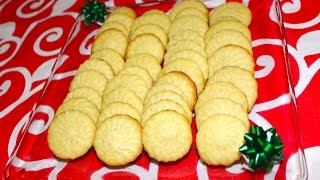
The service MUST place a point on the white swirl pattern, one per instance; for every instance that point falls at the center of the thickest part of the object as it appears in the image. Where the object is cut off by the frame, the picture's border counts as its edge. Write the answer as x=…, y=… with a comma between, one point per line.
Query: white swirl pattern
x=50, y=35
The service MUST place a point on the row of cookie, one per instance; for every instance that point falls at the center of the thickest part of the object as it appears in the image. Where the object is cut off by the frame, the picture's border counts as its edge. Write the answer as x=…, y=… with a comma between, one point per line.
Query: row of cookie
x=167, y=115
x=231, y=90
x=118, y=139
x=186, y=47
x=71, y=133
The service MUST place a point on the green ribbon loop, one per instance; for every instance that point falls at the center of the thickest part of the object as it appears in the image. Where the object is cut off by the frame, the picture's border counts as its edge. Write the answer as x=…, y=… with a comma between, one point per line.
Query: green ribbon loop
x=263, y=148
x=94, y=12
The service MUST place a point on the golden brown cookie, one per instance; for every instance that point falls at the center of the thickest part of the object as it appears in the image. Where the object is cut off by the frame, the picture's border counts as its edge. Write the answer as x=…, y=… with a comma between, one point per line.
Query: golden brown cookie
x=151, y=29
x=221, y=106
x=187, y=4
x=240, y=78
x=167, y=136
x=86, y=92
x=141, y=72
x=98, y=65
x=71, y=134
x=182, y=81
x=118, y=140
x=219, y=139
x=110, y=56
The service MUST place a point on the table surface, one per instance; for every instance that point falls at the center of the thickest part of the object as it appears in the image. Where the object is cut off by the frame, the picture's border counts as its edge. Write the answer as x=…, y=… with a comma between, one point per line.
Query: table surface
x=31, y=39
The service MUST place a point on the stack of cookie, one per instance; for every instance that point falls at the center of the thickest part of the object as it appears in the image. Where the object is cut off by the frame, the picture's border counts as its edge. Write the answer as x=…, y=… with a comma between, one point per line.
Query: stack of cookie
x=72, y=131
x=231, y=90
x=168, y=107
x=118, y=137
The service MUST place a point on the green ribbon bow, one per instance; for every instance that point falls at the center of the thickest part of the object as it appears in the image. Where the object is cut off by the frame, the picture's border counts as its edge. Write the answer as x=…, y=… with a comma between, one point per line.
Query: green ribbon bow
x=264, y=148
x=94, y=12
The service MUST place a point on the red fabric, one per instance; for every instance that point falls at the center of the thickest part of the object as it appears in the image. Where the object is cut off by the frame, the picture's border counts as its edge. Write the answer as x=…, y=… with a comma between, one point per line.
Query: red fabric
x=33, y=34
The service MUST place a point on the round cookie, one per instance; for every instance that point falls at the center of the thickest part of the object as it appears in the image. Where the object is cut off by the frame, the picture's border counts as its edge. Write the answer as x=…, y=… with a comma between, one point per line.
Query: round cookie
x=80, y=104
x=188, y=67
x=187, y=4
x=219, y=140
x=233, y=9
x=169, y=95
x=222, y=18
x=191, y=55
x=167, y=136
x=98, y=65
x=182, y=81
x=146, y=61
x=86, y=92
x=221, y=106
x=222, y=90
x=227, y=37
x=186, y=35
x=146, y=44
x=231, y=55
x=161, y=106
x=240, y=78
x=151, y=29
x=132, y=82
x=194, y=12
x=188, y=22
x=113, y=39
x=125, y=95
x=124, y=10
x=91, y=79
x=71, y=134
x=136, y=70
x=227, y=24
x=122, y=18
x=161, y=20
x=118, y=108
x=183, y=45
x=118, y=140
x=110, y=56
x=113, y=25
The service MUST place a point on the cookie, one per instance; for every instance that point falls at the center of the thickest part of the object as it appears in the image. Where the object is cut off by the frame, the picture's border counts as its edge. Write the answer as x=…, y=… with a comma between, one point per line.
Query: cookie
x=233, y=9
x=191, y=55
x=240, y=78
x=146, y=44
x=98, y=65
x=161, y=106
x=188, y=22
x=182, y=81
x=110, y=56
x=124, y=10
x=221, y=106
x=71, y=134
x=169, y=95
x=118, y=140
x=122, y=18
x=194, y=12
x=114, y=25
x=160, y=87
x=118, y=108
x=136, y=70
x=222, y=18
x=91, y=79
x=125, y=95
x=80, y=104
x=187, y=4
x=186, y=35
x=227, y=37
x=112, y=39
x=146, y=61
x=161, y=20
x=188, y=67
x=219, y=139
x=133, y=82
x=166, y=136
x=183, y=45
x=153, y=11
x=231, y=55
x=86, y=92
x=225, y=25
x=221, y=89
x=151, y=29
